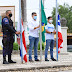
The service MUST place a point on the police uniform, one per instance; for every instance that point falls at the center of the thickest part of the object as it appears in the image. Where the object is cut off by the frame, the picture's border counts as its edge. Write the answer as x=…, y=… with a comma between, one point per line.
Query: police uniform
x=8, y=40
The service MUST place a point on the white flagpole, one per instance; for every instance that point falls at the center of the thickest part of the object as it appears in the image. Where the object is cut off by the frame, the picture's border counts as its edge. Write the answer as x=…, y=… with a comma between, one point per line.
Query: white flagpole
x=43, y=2
x=57, y=29
x=20, y=30
x=40, y=30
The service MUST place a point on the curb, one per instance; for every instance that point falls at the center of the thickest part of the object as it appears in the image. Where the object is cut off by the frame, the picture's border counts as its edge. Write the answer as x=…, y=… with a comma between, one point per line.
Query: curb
x=35, y=68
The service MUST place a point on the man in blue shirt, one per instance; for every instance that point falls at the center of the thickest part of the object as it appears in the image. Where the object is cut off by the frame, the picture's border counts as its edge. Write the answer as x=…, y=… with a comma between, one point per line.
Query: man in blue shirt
x=50, y=31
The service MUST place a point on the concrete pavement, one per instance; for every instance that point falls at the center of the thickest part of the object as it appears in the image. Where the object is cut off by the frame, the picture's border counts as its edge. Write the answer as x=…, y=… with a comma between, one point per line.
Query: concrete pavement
x=64, y=63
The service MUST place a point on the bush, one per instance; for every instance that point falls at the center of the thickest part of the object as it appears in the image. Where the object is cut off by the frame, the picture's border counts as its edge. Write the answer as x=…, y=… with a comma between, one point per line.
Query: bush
x=15, y=46
x=43, y=46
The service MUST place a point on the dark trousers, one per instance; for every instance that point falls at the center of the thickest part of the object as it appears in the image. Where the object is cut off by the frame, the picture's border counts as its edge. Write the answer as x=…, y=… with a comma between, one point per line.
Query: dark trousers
x=7, y=45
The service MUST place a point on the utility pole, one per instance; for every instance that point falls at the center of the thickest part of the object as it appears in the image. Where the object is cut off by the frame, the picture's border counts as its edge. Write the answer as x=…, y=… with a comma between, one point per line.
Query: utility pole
x=24, y=10
x=24, y=17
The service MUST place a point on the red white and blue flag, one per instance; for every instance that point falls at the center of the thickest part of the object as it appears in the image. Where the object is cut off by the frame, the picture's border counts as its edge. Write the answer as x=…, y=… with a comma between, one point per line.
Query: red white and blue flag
x=23, y=53
x=60, y=38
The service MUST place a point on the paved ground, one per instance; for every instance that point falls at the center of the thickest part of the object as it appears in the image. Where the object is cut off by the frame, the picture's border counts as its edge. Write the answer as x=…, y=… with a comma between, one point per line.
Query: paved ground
x=65, y=61
x=66, y=71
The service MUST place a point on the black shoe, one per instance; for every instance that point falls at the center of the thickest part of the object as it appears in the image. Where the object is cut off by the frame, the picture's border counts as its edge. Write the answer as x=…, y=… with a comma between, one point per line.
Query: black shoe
x=5, y=62
x=31, y=60
x=53, y=59
x=37, y=60
x=11, y=61
x=46, y=59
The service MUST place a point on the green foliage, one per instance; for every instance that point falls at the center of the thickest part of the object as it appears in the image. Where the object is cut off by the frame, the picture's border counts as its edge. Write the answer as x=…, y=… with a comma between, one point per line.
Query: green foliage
x=43, y=46
x=15, y=46
x=0, y=26
x=66, y=12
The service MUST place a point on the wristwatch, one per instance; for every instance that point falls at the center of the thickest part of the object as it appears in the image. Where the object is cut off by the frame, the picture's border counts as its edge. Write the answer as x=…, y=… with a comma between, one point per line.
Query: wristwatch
x=51, y=32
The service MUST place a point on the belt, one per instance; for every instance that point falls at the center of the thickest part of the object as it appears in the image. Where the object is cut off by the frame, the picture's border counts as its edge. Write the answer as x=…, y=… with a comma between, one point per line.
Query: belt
x=4, y=35
x=7, y=35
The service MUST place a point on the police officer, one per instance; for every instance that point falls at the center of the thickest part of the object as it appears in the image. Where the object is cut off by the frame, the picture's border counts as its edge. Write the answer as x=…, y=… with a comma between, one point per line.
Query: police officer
x=8, y=40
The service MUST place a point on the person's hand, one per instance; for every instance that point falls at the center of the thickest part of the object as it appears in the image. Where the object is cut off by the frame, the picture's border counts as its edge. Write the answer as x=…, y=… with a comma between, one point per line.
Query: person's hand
x=18, y=32
x=54, y=32
x=37, y=27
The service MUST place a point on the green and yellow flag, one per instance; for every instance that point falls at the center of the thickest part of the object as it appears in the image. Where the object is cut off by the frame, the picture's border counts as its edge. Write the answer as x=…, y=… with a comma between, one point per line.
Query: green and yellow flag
x=43, y=21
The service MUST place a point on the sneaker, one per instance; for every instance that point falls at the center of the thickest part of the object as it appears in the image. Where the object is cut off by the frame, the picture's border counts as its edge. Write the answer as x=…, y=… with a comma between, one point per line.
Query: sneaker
x=37, y=60
x=53, y=59
x=46, y=59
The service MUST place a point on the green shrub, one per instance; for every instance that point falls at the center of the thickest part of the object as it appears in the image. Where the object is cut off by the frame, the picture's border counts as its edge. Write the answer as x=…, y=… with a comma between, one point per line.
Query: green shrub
x=15, y=46
x=43, y=46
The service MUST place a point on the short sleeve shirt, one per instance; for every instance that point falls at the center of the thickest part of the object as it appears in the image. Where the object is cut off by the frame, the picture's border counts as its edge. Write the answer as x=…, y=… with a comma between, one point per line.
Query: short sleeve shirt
x=33, y=32
x=50, y=28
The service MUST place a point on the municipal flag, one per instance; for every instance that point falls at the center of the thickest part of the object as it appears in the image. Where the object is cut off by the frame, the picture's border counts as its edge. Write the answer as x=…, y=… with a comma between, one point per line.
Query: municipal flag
x=23, y=53
x=60, y=38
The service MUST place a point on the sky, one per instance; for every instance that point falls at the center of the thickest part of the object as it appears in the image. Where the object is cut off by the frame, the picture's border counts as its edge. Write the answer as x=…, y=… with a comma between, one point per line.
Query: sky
x=33, y=6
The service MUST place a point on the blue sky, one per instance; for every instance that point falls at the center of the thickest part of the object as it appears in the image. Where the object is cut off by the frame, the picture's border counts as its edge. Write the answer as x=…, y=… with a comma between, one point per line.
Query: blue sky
x=33, y=6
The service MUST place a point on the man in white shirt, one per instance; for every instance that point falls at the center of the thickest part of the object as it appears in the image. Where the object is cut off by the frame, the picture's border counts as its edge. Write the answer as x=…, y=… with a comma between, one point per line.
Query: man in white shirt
x=33, y=37
x=50, y=31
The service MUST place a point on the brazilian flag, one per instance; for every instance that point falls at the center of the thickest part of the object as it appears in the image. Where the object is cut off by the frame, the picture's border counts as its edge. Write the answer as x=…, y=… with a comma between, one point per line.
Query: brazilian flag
x=43, y=21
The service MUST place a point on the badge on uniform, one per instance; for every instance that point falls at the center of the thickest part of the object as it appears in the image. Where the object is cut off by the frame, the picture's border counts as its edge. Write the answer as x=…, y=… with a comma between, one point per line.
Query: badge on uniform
x=6, y=20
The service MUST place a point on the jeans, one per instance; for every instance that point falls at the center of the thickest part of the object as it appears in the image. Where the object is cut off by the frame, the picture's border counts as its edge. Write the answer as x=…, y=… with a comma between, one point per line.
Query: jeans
x=33, y=43
x=49, y=42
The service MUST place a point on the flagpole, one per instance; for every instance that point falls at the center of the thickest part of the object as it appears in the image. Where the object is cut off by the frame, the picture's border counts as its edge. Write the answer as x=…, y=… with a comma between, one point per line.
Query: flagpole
x=43, y=2
x=40, y=30
x=20, y=30
x=57, y=30
x=45, y=38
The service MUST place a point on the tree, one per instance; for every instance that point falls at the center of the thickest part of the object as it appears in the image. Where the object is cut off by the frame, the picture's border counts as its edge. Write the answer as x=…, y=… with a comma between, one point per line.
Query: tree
x=66, y=12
